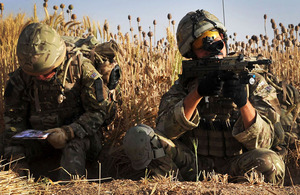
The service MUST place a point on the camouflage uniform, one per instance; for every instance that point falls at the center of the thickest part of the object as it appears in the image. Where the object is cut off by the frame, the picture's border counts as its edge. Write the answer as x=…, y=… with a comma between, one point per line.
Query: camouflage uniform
x=214, y=136
x=223, y=143
x=33, y=104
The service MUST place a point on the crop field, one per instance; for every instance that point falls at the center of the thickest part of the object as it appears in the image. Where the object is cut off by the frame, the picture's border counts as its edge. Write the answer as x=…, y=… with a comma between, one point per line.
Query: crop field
x=149, y=68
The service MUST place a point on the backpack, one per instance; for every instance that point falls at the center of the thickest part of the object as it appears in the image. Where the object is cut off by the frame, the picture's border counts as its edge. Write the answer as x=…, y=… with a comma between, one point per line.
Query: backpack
x=101, y=55
x=289, y=100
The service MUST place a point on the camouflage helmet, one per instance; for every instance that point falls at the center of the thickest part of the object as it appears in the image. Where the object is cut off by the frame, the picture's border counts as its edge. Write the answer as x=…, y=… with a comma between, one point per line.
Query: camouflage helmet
x=137, y=145
x=40, y=49
x=192, y=26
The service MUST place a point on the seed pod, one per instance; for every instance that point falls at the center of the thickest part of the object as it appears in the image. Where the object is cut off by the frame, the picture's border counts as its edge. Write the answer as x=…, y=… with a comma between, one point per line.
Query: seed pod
x=119, y=27
x=62, y=6
x=279, y=37
x=234, y=34
x=296, y=28
x=272, y=21
x=131, y=29
x=254, y=38
x=169, y=16
x=274, y=26
x=68, y=11
x=140, y=28
x=173, y=22
x=265, y=16
x=261, y=37
x=129, y=17
x=55, y=7
x=247, y=36
x=230, y=36
x=1, y=6
x=288, y=43
x=150, y=34
x=154, y=22
x=280, y=24
x=292, y=37
x=138, y=19
x=71, y=7
x=144, y=34
x=73, y=17
x=45, y=5
x=106, y=26
x=283, y=29
x=146, y=43
x=243, y=44
x=45, y=1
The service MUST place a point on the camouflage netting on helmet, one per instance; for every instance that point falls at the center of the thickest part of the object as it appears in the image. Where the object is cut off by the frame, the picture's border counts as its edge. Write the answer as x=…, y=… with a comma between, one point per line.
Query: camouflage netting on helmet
x=40, y=49
x=192, y=26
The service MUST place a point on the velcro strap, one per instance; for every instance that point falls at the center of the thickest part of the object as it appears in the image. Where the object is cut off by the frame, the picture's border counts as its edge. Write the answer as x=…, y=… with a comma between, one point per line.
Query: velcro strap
x=158, y=153
x=157, y=148
x=99, y=90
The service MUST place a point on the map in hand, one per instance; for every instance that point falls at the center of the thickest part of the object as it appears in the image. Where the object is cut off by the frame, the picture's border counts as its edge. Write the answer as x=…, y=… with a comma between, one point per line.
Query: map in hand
x=31, y=134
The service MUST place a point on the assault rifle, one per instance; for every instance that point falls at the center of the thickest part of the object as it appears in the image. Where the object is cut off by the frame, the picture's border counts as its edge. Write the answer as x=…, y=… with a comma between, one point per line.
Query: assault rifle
x=238, y=65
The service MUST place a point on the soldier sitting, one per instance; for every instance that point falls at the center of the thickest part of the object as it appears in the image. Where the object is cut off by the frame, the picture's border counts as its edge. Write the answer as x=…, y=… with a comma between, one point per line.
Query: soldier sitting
x=230, y=125
x=58, y=93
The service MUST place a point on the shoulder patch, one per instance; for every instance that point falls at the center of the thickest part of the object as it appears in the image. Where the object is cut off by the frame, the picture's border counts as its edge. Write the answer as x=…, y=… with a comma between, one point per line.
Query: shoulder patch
x=94, y=75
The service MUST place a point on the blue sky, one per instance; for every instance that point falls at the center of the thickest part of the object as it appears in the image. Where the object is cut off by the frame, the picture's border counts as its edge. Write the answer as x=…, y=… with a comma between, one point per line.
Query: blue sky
x=245, y=17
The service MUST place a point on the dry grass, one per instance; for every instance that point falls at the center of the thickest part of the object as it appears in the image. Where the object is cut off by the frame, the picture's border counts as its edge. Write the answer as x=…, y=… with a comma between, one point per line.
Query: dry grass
x=11, y=183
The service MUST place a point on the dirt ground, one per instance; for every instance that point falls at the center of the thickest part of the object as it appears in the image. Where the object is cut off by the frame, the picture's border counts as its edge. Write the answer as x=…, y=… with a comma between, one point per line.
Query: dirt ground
x=119, y=178
x=168, y=187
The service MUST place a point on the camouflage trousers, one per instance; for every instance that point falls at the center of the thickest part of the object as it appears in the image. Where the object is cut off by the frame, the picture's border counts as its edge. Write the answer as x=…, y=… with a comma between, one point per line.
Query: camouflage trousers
x=181, y=161
x=72, y=157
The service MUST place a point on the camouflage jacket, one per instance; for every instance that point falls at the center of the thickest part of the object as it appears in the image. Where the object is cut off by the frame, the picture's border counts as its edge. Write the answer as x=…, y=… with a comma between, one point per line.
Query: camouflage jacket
x=32, y=103
x=218, y=119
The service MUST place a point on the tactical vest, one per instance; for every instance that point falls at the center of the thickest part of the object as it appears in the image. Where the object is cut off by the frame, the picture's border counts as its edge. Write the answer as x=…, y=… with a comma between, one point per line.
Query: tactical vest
x=214, y=132
x=55, y=105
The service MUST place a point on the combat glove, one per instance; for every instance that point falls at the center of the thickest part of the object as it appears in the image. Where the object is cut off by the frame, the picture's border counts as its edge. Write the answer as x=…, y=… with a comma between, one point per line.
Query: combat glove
x=58, y=137
x=235, y=90
x=211, y=85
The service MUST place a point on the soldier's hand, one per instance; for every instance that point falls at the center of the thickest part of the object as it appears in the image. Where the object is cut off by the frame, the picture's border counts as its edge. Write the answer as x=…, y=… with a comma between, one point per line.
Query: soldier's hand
x=235, y=90
x=211, y=85
x=59, y=136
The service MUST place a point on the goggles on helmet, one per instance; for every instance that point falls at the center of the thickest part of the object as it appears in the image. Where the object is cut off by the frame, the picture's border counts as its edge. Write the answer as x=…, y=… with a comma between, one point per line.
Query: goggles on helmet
x=207, y=36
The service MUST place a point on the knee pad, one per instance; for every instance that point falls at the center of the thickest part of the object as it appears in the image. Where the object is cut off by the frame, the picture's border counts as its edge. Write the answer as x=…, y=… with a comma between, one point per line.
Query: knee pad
x=271, y=166
x=141, y=145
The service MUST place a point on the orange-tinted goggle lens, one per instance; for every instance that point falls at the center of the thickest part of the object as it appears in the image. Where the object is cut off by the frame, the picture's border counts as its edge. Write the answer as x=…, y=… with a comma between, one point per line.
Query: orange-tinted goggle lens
x=198, y=43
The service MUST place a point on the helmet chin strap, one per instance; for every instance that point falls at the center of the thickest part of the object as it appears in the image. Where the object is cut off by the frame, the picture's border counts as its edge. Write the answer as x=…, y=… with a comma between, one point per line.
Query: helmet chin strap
x=46, y=77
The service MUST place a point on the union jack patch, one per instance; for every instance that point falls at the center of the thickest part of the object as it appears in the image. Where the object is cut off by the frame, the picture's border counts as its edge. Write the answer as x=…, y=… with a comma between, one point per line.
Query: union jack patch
x=94, y=75
x=268, y=88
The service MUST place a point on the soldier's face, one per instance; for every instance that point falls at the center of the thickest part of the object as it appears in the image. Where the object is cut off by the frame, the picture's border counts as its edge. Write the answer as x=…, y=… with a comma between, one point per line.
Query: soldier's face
x=201, y=53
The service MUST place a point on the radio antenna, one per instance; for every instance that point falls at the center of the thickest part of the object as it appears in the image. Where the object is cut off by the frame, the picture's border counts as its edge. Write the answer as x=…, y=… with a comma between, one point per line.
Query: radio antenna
x=223, y=12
